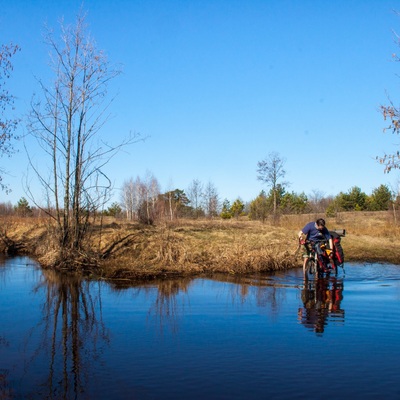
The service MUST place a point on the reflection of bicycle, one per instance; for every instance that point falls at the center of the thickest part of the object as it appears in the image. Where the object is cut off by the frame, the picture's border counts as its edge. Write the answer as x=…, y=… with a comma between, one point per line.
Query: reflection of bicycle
x=321, y=303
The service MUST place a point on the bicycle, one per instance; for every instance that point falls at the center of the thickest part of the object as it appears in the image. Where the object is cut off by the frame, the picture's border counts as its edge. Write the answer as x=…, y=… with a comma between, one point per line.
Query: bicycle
x=320, y=261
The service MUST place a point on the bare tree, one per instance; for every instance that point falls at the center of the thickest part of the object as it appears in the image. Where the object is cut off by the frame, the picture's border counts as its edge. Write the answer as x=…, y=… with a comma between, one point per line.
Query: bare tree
x=316, y=201
x=391, y=113
x=211, y=200
x=271, y=171
x=66, y=121
x=170, y=197
x=6, y=208
x=139, y=198
x=395, y=190
x=129, y=198
x=194, y=194
x=7, y=125
x=152, y=190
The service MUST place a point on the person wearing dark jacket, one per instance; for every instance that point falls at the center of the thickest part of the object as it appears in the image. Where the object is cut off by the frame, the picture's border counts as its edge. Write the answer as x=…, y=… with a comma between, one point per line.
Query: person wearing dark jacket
x=314, y=232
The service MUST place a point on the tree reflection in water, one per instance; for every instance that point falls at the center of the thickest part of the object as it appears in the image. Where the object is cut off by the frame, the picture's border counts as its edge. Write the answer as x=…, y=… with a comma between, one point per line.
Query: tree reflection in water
x=266, y=292
x=73, y=332
x=5, y=389
x=321, y=297
x=321, y=303
x=169, y=303
x=166, y=307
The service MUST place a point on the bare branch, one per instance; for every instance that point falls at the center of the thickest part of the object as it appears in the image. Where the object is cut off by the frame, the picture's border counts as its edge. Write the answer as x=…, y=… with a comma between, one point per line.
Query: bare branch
x=66, y=122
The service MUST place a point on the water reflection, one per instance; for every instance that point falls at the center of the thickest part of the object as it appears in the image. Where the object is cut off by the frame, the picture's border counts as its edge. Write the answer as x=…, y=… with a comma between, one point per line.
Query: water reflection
x=5, y=388
x=264, y=289
x=321, y=303
x=168, y=303
x=71, y=333
x=165, y=307
x=219, y=336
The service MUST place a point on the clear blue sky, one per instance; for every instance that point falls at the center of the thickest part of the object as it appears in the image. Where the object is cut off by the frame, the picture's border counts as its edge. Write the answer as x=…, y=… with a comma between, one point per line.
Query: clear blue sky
x=217, y=85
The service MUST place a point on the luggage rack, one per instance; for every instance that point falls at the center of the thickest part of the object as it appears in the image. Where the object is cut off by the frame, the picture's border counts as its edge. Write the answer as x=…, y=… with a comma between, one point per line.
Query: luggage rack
x=340, y=232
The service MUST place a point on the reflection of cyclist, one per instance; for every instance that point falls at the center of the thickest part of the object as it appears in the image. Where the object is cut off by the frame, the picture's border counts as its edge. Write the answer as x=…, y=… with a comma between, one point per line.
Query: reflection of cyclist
x=314, y=232
x=321, y=299
x=315, y=312
x=336, y=297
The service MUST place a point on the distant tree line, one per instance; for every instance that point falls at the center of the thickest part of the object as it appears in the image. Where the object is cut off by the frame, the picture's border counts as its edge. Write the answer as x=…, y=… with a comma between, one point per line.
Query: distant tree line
x=381, y=199
x=143, y=201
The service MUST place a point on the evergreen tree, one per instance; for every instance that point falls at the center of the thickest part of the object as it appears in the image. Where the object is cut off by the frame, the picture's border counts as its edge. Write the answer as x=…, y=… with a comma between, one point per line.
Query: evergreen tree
x=226, y=210
x=380, y=199
x=354, y=200
x=237, y=208
x=260, y=207
x=293, y=203
x=114, y=210
x=23, y=208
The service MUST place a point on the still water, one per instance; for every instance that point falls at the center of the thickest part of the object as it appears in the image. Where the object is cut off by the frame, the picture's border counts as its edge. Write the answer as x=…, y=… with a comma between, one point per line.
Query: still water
x=260, y=337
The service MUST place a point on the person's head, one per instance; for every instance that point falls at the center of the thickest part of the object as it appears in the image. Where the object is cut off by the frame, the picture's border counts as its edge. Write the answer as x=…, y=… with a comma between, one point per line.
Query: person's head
x=320, y=224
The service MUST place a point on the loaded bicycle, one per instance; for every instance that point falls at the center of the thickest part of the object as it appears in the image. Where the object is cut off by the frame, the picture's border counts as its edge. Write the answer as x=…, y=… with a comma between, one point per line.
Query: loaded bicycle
x=324, y=261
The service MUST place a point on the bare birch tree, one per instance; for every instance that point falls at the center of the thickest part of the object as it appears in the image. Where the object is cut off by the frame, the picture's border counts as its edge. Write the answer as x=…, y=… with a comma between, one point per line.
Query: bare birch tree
x=211, y=200
x=271, y=171
x=139, y=198
x=66, y=121
x=152, y=190
x=134, y=195
x=130, y=199
x=194, y=194
x=8, y=124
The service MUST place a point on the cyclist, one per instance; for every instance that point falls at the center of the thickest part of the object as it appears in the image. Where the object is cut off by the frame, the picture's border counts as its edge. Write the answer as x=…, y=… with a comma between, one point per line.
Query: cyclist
x=314, y=232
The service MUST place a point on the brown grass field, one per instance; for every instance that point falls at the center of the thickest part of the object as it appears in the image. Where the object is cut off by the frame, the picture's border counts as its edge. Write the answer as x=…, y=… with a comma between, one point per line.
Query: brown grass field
x=123, y=250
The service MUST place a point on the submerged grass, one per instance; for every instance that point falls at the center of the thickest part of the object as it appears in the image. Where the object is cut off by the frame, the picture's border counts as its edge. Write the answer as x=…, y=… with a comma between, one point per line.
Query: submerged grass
x=122, y=250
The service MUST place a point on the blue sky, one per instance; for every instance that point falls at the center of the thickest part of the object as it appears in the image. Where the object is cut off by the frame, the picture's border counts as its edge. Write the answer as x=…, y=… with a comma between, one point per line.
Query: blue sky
x=217, y=85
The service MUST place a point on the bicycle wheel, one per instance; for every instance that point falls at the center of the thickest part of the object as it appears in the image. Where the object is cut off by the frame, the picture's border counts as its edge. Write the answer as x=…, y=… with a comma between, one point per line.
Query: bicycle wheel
x=320, y=268
x=311, y=266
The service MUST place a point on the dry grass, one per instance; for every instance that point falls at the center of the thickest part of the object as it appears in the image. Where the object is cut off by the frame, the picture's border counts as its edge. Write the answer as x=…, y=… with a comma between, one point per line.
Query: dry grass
x=126, y=250
x=203, y=246
x=370, y=236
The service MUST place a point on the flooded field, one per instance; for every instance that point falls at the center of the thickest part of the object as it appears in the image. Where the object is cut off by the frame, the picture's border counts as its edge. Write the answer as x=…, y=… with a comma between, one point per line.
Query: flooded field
x=218, y=337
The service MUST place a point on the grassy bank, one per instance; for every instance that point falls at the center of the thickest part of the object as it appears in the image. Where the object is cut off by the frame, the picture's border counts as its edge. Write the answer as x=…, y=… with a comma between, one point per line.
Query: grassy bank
x=121, y=250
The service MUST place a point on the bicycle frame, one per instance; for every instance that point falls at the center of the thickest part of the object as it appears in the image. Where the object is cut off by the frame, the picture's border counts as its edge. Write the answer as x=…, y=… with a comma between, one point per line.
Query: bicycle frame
x=320, y=263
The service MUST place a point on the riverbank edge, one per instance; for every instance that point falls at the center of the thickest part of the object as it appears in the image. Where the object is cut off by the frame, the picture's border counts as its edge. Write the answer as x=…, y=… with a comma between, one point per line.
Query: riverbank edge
x=123, y=251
